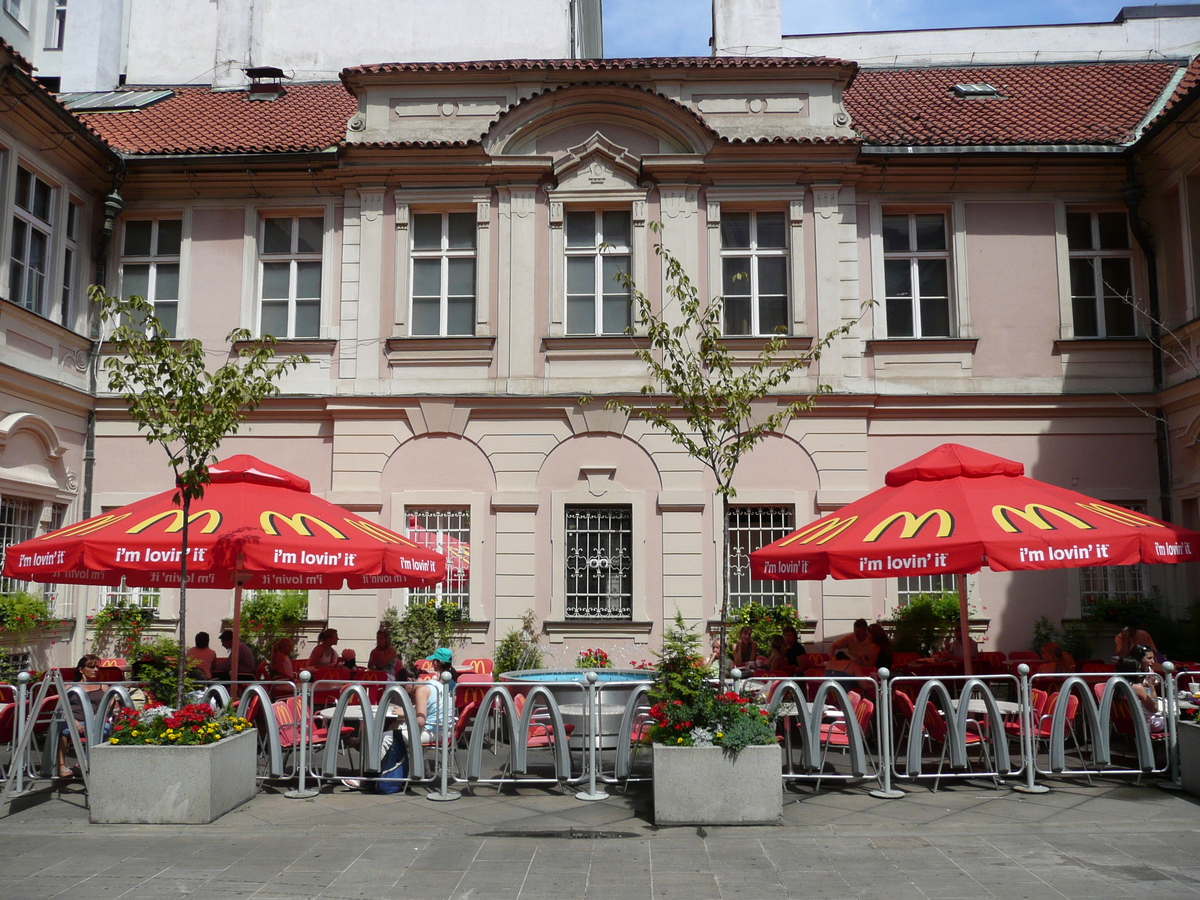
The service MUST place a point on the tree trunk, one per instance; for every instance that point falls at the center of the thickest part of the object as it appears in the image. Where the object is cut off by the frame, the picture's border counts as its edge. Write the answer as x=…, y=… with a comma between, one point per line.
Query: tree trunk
x=181, y=667
x=723, y=560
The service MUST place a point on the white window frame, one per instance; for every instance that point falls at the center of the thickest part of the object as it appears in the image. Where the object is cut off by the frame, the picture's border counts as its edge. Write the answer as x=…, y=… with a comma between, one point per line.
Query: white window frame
x=479, y=607
x=457, y=591
x=1137, y=575
x=293, y=257
x=1066, y=254
x=56, y=24
x=444, y=253
x=70, y=261
x=597, y=253
x=754, y=253
x=24, y=528
x=15, y=10
x=32, y=223
x=448, y=200
x=154, y=259
x=959, y=301
x=737, y=565
x=914, y=257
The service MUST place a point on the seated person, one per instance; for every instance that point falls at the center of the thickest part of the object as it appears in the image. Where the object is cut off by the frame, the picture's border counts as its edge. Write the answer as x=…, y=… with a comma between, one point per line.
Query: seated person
x=245, y=656
x=323, y=655
x=350, y=659
x=281, y=667
x=883, y=645
x=745, y=650
x=792, y=648
x=858, y=646
x=777, y=661
x=1133, y=635
x=841, y=664
x=1138, y=667
x=87, y=672
x=1055, y=660
x=201, y=657
x=384, y=657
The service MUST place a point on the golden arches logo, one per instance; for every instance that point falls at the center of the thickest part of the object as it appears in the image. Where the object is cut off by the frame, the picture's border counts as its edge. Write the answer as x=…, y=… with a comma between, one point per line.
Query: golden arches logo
x=299, y=523
x=370, y=529
x=176, y=517
x=88, y=527
x=913, y=524
x=1035, y=514
x=1119, y=514
x=821, y=531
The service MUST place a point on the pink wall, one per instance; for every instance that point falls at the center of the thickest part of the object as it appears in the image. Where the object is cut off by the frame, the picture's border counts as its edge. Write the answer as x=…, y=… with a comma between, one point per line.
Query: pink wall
x=214, y=306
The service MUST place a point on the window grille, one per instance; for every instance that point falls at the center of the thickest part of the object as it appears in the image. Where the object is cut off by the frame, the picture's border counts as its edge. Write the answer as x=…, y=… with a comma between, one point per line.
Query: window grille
x=446, y=529
x=11, y=664
x=123, y=595
x=751, y=527
x=1118, y=582
x=599, y=562
x=909, y=586
x=18, y=522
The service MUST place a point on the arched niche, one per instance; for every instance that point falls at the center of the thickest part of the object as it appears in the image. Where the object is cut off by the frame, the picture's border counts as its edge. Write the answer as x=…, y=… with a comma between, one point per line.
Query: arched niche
x=32, y=463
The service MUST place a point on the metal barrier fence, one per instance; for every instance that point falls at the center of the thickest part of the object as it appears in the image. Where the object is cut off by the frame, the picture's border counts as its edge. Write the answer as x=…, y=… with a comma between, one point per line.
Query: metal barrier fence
x=886, y=729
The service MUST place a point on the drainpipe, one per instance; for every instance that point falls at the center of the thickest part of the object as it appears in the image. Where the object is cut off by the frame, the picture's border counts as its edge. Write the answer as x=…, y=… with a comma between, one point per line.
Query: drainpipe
x=1133, y=194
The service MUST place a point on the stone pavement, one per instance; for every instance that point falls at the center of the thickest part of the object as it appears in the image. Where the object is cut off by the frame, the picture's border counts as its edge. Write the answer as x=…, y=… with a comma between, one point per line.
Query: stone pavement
x=1109, y=841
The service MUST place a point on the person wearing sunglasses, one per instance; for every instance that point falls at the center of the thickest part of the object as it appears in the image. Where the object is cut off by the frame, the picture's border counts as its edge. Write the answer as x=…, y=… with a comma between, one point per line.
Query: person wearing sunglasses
x=87, y=672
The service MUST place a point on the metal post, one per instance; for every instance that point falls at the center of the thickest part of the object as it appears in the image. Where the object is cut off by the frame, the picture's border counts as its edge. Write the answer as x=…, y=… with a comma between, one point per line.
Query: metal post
x=22, y=720
x=1028, y=746
x=736, y=675
x=593, y=739
x=1170, y=711
x=301, y=792
x=886, y=792
x=444, y=743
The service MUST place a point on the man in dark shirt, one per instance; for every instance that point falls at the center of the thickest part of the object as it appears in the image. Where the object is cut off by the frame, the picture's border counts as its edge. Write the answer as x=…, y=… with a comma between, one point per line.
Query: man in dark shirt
x=221, y=667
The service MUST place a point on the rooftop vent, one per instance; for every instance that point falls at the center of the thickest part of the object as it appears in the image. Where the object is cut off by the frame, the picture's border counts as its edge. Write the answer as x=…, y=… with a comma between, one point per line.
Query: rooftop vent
x=978, y=91
x=266, y=82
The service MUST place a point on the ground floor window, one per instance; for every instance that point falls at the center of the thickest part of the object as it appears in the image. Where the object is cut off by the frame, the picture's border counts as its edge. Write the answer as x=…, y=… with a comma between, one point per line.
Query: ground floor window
x=58, y=597
x=18, y=522
x=123, y=595
x=599, y=562
x=1117, y=582
x=911, y=586
x=751, y=527
x=446, y=529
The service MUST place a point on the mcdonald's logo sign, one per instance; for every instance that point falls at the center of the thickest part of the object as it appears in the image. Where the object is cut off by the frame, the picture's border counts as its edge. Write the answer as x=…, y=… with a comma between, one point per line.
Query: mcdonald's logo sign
x=1035, y=514
x=1119, y=514
x=300, y=523
x=87, y=527
x=821, y=531
x=913, y=524
x=379, y=532
x=176, y=516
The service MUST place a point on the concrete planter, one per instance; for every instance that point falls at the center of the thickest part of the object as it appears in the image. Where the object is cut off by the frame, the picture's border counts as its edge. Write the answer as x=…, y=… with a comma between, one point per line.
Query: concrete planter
x=171, y=785
x=707, y=786
x=1189, y=757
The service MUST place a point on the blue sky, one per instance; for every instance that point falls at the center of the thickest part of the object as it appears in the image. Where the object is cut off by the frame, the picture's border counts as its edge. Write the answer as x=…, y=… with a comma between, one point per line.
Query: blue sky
x=683, y=27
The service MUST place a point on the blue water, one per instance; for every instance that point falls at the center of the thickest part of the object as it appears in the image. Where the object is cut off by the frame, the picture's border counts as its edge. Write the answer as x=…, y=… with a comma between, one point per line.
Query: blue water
x=579, y=675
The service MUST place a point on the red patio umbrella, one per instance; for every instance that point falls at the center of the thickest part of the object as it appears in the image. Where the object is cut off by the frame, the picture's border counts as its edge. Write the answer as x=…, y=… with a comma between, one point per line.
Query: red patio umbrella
x=257, y=526
x=957, y=509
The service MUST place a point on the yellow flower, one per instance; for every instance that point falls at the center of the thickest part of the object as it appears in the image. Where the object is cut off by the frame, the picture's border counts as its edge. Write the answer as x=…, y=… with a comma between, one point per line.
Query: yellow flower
x=720, y=734
x=112, y=740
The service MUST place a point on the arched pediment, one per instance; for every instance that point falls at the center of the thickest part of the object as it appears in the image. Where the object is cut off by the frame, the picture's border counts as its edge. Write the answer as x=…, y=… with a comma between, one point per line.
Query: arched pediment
x=32, y=460
x=45, y=433
x=655, y=123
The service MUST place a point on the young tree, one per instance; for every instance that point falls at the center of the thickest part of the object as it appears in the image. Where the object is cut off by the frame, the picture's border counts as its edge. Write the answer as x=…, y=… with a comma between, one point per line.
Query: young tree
x=181, y=405
x=703, y=397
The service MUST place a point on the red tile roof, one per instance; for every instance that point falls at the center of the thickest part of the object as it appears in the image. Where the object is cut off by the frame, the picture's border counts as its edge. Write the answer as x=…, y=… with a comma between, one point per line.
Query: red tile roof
x=1187, y=84
x=199, y=120
x=602, y=65
x=18, y=60
x=1097, y=103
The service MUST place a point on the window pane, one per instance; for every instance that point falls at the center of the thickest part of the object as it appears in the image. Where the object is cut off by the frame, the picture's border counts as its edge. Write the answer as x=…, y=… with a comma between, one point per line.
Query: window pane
x=462, y=231
x=427, y=232
x=1083, y=280
x=772, y=275
x=581, y=315
x=460, y=280
x=581, y=275
x=1079, y=231
x=72, y=219
x=581, y=229
x=931, y=232
x=931, y=276
x=308, y=279
x=308, y=318
x=309, y=236
x=737, y=277
x=137, y=238
x=735, y=231
x=935, y=317
x=277, y=236
x=24, y=187
x=274, y=318
x=166, y=282
x=1083, y=310
x=168, y=314
x=899, y=317
x=897, y=278
x=616, y=313
x=460, y=315
x=737, y=315
x=772, y=231
x=1114, y=231
x=612, y=267
x=772, y=315
x=1118, y=297
x=895, y=234
x=427, y=277
x=426, y=315
x=616, y=228
x=170, y=235
x=41, y=199
x=275, y=281
x=135, y=281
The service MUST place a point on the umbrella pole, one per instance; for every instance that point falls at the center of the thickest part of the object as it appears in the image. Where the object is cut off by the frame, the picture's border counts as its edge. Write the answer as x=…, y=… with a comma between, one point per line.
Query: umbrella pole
x=964, y=624
x=237, y=628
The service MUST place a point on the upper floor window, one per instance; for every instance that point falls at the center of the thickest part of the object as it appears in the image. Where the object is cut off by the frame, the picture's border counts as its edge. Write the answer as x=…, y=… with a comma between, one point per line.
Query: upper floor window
x=1102, y=303
x=916, y=274
x=150, y=266
x=443, y=273
x=31, y=231
x=69, y=260
x=754, y=249
x=598, y=250
x=13, y=8
x=290, y=276
x=57, y=30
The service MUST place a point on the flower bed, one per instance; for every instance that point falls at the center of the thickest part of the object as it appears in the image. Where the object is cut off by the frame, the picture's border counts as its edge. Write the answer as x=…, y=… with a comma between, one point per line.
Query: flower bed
x=195, y=723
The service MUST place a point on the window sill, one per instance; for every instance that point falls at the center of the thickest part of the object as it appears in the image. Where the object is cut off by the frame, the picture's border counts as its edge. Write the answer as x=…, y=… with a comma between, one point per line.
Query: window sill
x=1100, y=344
x=593, y=345
x=753, y=343
x=922, y=345
x=803, y=626
x=289, y=346
x=463, y=350
x=590, y=629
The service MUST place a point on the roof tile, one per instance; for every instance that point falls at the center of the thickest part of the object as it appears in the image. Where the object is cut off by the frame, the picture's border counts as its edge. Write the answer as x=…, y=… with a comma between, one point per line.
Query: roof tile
x=1096, y=103
x=600, y=65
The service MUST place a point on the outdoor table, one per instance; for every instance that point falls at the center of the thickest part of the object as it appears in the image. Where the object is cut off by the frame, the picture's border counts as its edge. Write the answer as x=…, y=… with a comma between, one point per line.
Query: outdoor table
x=354, y=713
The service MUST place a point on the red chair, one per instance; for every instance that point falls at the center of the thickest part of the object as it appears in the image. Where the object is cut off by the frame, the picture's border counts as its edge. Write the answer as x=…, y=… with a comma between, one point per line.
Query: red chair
x=541, y=733
x=7, y=694
x=470, y=688
x=371, y=681
x=8, y=715
x=937, y=731
x=478, y=666
x=904, y=659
